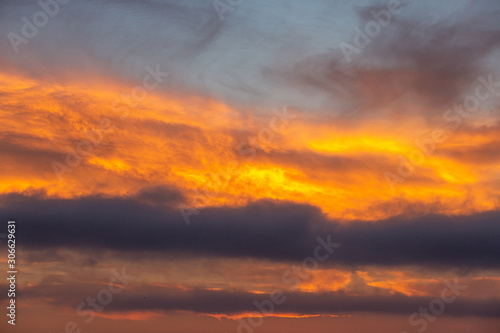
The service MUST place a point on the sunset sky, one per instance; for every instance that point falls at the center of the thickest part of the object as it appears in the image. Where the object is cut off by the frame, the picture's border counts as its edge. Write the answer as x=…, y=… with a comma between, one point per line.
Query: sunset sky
x=245, y=166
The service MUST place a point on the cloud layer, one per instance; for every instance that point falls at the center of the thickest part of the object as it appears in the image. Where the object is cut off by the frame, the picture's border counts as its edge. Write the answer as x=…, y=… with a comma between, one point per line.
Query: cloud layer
x=275, y=231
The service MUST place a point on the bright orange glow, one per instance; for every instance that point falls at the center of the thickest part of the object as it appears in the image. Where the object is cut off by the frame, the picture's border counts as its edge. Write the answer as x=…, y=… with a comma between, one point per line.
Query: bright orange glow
x=188, y=142
x=274, y=315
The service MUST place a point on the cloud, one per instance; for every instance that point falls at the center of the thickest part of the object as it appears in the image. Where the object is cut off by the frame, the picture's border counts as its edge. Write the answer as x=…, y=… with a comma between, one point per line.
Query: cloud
x=249, y=59
x=159, y=195
x=26, y=154
x=150, y=298
x=414, y=61
x=267, y=230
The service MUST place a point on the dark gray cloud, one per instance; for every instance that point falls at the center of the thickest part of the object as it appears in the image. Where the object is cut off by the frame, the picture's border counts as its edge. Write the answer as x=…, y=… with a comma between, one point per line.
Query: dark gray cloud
x=159, y=195
x=268, y=230
x=149, y=298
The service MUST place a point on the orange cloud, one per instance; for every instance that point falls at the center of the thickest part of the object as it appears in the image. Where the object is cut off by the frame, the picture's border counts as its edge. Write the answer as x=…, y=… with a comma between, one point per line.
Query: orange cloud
x=216, y=155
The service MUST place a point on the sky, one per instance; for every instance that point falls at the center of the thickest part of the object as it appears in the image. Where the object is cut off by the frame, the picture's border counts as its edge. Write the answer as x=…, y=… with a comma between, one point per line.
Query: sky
x=247, y=166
